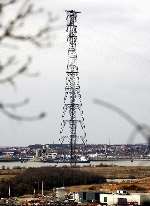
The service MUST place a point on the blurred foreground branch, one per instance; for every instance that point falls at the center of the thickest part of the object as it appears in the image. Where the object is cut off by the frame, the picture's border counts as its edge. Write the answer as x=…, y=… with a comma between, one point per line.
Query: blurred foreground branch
x=143, y=129
x=19, y=25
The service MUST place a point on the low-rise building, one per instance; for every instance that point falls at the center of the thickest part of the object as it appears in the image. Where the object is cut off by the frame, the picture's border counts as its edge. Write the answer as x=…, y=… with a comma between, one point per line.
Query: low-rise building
x=124, y=199
x=121, y=197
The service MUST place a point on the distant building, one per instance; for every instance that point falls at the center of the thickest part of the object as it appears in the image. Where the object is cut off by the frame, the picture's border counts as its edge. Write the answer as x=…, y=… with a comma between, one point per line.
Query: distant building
x=38, y=153
x=52, y=155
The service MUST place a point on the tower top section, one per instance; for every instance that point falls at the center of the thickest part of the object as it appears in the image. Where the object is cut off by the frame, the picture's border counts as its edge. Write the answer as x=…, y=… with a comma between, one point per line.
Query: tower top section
x=72, y=27
x=71, y=18
x=72, y=12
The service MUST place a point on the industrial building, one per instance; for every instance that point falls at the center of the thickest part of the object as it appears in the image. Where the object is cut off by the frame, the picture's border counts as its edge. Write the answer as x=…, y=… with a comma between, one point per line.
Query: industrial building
x=128, y=199
x=119, y=198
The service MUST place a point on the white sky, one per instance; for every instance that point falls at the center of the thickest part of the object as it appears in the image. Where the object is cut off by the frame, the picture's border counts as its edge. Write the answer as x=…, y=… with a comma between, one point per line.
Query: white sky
x=113, y=58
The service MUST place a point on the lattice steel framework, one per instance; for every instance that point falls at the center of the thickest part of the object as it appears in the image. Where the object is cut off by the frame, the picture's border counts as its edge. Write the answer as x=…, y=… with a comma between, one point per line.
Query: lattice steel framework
x=72, y=126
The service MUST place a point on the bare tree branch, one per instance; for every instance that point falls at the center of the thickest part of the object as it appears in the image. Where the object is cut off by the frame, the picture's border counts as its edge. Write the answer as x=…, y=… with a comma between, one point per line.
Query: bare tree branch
x=26, y=10
x=12, y=32
x=5, y=109
x=140, y=128
x=9, y=62
x=16, y=104
x=11, y=78
x=21, y=117
x=4, y=3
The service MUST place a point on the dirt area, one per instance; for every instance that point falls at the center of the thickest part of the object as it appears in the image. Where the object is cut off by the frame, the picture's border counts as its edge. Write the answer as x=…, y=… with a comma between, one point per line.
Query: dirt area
x=139, y=179
x=119, y=172
x=138, y=185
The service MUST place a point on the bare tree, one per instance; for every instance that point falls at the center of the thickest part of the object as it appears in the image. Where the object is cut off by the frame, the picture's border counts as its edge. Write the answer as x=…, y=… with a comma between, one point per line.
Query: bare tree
x=13, y=35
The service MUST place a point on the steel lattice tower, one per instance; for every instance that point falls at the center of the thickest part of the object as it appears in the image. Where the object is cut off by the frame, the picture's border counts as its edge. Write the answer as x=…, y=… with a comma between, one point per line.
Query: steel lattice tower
x=72, y=126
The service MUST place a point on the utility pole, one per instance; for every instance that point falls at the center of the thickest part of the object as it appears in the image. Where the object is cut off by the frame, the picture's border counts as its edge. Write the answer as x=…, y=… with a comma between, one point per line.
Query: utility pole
x=9, y=193
x=42, y=188
x=72, y=126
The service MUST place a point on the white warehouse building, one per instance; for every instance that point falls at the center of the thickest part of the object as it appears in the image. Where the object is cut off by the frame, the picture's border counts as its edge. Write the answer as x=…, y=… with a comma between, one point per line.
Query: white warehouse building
x=114, y=199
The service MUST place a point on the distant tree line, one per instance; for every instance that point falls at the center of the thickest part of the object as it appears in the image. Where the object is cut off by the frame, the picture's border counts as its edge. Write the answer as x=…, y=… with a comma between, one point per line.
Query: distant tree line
x=52, y=177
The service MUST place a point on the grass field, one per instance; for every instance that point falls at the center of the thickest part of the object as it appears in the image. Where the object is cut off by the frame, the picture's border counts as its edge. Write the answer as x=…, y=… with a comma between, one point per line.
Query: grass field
x=140, y=185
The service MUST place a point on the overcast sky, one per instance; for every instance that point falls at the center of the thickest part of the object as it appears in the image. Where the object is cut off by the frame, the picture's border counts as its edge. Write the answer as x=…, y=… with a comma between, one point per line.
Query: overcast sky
x=114, y=65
